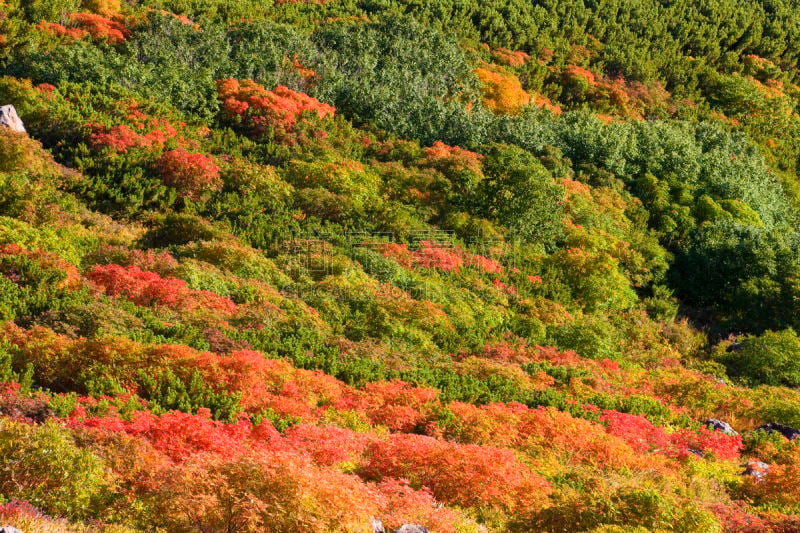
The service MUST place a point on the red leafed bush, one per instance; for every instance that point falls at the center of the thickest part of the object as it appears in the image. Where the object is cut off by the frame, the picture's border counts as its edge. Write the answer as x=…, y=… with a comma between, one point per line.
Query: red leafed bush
x=399, y=253
x=483, y=264
x=504, y=287
x=399, y=405
x=261, y=110
x=148, y=288
x=179, y=435
x=541, y=431
x=433, y=256
x=58, y=30
x=637, y=431
x=404, y=505
x=191, y=174
x=328, y=445
x=263, y=490
x=265, y=383
x=451, y=158
x=161, y=262
x=467, y=475
x=515, y=58
x=643, y=436
x=100, y=27
x=723, y=446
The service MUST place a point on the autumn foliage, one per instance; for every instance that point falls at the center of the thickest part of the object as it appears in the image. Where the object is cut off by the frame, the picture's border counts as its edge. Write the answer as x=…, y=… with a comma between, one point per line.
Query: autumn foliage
x=262, y=110
x=191, y=174
x=148, y=288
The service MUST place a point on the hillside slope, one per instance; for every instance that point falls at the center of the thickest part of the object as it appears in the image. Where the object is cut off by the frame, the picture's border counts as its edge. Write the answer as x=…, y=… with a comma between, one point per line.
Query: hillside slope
x=301, y=266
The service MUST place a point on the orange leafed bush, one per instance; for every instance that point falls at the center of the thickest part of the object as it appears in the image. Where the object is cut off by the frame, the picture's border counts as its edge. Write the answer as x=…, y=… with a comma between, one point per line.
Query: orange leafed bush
x=448, y=158
x=100, y=27
x=263, y=490
x=515, y=58
x=328, y=445
x=179, y=435
x=467, y=475
x=59, y=30
x=261, y=109
x=502, y=91
x=148, y=288
x=191, y=174
x=399, y=405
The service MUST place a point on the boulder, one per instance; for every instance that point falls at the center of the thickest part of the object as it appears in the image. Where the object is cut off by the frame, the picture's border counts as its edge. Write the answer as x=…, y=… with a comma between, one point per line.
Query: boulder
x=788, y=432
x=719, y=425
x=9, y=119
x=757, y=470
x=411, y=528
x=9, y=529
x=377, y=526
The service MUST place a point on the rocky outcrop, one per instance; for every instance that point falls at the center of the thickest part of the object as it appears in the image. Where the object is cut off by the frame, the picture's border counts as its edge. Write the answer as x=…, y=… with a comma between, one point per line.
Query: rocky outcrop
x=757, y=470
x=719, y=425
x=9, y=119
x=9, y=529
x=788, y=432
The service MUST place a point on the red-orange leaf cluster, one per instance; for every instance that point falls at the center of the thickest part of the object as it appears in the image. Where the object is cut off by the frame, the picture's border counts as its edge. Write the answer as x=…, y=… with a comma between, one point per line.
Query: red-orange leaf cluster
x=100, y=27
x=261, y=110
x=148, y=288
x=468, y=474
x=191, y=174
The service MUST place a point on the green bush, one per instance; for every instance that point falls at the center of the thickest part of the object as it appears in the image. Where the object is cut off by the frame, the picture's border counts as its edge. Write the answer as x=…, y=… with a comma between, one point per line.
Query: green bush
x=772, y=358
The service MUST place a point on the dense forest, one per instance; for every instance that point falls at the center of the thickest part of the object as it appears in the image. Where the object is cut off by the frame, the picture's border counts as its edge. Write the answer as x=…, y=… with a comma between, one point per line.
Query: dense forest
x=349, y=265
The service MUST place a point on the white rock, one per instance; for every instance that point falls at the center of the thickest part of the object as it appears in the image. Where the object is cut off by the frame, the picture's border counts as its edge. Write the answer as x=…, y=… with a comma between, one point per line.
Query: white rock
x=9, y=119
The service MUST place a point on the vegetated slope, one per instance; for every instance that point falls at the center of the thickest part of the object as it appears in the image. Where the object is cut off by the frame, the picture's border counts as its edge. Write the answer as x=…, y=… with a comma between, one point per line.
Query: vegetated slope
x=297, y=266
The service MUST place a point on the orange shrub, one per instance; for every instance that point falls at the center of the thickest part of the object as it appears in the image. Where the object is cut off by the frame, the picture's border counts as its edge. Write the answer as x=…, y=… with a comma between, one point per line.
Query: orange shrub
x=502, y=91
x=190, y=173
x=468, y=475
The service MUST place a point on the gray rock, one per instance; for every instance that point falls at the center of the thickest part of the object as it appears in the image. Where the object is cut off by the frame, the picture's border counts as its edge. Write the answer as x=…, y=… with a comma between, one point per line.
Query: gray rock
x=377, y=526
x=757, y=470
x=719, y=425
x=788, y=432
x=9, y=529
x=411, y=528
x=9, y=119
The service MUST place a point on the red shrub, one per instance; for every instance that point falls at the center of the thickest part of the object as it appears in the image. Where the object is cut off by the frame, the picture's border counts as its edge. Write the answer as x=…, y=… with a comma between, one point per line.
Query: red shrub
x=328, y=445
x=58, y=30
x=404, y=505
x=191, y=174
x=452, y=158
x=100, y=27
x=723, y=446
x=399, y=405
x=179, y=435
x=467, y=475
x=482, y=263
x=261, y=110
x=399, y=253
x=433, y=256
x=149, y=135
x=637, y=431
x=148, y=288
